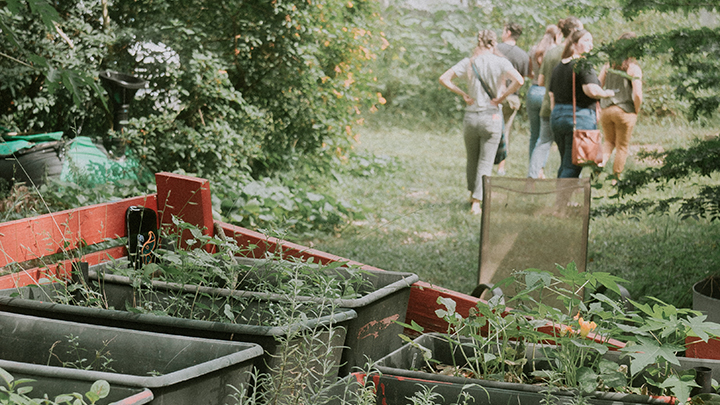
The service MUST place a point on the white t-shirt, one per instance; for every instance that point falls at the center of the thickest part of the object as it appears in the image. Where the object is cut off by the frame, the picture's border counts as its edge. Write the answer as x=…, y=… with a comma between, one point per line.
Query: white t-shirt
x=490, y=67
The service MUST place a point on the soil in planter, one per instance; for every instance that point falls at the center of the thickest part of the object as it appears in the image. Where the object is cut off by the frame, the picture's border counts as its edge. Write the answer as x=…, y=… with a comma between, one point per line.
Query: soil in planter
x=709, y=287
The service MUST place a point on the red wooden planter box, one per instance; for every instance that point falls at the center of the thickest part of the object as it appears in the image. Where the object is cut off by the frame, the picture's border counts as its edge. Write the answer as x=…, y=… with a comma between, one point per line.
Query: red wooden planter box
x=188, y=198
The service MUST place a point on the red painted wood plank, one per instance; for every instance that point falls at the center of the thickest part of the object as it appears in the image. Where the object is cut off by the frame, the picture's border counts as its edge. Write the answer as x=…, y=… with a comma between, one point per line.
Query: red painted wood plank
x=60, y=269
x=19, y=279
x=423, y=303
x=187, y=198
x=698, y=349
x=32, y=238
x=261, y=244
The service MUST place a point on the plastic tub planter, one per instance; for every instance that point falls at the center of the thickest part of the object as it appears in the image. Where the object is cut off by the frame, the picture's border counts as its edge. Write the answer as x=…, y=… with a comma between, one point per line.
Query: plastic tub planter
x=328, y=329
x=706, y=298
x=52, y=387
x=382, y=300
x=177, y=369
x=400, y=379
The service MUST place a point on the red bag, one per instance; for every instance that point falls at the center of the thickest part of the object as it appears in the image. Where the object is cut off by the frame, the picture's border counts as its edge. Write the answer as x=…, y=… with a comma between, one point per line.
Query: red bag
x=586, y=147
x=586, y=143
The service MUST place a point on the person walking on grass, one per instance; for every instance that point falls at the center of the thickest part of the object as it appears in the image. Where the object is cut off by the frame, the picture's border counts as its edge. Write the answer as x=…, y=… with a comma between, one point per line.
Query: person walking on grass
x=521, y=62
x=536, y=93
x=550, y=60
x=587, y=91
x=485, y=75
x=619, y=113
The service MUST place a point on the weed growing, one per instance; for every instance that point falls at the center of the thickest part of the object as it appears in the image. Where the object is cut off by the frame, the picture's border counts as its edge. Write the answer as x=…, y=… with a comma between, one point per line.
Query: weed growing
x=16, y=391
x=495, y=342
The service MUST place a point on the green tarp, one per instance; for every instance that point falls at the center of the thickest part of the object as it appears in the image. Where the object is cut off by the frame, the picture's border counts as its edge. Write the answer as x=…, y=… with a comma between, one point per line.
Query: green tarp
x=13, y=143
x=84, y=159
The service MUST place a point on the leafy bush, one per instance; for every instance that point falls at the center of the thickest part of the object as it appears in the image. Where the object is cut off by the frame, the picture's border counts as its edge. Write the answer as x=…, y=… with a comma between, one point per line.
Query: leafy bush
x=701, y=159
x=297, y=202
x=234, y=86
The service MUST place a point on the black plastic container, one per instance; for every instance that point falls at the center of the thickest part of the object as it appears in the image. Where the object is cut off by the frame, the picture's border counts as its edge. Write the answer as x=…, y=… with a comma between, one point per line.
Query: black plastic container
x=382, y=301
x=118, y=292
x=400, y=379
x=122, y=88
x=706, y=297
x=33, y=165
x=177, y=369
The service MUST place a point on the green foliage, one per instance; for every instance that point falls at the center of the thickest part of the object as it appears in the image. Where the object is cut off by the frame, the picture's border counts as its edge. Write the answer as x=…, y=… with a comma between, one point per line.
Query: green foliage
x=270, y=204
x=236, y=90
x=15, y=392
x=701, y=159
x=275, y=78
x=217, y=134
x=78, y=357
x=425, y=42
x=694, y=56
x=299, y=201
x=631, y=8
x=49, y=64
x=579, y=358
x=234, y=87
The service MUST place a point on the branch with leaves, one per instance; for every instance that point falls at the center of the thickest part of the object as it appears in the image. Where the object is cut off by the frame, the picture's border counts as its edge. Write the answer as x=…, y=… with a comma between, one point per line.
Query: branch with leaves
x=694, y=55
x=703, y=159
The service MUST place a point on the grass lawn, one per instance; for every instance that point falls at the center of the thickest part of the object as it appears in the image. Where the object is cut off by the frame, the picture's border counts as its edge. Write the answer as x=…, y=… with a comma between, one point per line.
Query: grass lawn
x=418, y=220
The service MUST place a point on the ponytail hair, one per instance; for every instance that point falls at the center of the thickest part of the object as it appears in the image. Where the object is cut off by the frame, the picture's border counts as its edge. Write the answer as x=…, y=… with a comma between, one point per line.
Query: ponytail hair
x=574, y=38
x=487, y=39
x=569, y=25
x=547, y=41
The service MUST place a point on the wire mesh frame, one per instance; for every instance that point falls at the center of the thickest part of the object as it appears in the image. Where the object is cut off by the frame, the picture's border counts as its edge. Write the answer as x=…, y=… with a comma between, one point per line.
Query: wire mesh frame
x=532, y=223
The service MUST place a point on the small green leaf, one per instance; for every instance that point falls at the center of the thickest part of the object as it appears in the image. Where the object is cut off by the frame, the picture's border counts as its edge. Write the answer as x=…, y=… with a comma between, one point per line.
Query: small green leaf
x=702, y=329
x=7, y=377
x=101, y=388
x=648, y=352
x=611, y=375
x=534, y=279
x=227, y=310
x=92, y=397
x=63, y=398
x=587, y=379
x=412, y=326
x=448, y=303
x=680, y=387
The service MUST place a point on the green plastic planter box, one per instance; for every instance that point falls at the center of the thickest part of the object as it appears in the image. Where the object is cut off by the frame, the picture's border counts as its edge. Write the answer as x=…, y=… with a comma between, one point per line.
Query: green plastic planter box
x=177, y=369
x=383, y=300
x=36, y=301
x=400, y=379
x=372, y=333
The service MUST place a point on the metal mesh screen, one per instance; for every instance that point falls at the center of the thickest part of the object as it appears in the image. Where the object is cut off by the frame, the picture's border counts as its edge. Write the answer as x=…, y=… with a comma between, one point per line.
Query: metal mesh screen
x=532, y=223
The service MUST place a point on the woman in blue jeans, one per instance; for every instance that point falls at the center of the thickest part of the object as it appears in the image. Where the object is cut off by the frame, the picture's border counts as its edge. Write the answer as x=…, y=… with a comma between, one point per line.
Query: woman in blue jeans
x=587, y=92
x=536, y=93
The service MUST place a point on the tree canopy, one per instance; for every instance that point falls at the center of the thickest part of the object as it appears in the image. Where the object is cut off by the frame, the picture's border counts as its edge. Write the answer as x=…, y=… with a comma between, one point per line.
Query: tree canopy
x=235, y=85
x=240, y=88
x=695, y=58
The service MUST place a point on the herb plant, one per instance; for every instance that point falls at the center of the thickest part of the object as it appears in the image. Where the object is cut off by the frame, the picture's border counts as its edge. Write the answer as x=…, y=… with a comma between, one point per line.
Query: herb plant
x=16, y=392
x=593, y=343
